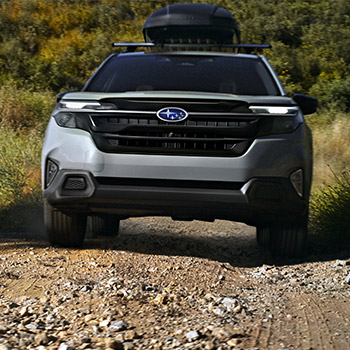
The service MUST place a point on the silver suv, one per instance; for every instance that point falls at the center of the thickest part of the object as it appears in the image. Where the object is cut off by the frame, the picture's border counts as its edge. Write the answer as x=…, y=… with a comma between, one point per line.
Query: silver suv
x=181, y=130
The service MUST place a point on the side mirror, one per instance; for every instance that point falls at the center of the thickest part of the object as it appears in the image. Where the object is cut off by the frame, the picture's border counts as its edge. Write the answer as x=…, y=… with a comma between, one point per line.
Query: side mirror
x=60, y=95
x=307, y=104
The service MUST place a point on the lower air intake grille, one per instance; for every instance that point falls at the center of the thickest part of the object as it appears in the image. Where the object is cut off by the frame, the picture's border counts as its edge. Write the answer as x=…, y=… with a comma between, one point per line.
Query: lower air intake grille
x=74, y=184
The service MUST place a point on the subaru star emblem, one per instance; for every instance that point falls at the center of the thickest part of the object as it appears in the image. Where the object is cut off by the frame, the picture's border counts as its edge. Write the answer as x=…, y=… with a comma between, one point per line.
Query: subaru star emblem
x=172, y=114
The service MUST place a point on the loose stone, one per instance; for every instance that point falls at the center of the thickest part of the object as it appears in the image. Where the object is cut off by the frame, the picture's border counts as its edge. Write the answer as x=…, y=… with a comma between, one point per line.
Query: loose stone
x=192, y=335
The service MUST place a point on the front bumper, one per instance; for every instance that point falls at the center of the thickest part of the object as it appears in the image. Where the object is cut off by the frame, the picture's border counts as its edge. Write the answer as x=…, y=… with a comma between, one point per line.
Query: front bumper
x=254, y=202
x=252, y=188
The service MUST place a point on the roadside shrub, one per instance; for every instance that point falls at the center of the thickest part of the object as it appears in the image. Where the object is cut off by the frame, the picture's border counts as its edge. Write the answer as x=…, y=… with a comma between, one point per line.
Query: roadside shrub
x=330, y=211
x=22, y=109
x=19, y=167
x=332, y=94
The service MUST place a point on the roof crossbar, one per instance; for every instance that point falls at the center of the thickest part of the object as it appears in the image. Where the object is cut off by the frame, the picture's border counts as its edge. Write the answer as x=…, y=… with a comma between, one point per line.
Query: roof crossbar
x=131, y=47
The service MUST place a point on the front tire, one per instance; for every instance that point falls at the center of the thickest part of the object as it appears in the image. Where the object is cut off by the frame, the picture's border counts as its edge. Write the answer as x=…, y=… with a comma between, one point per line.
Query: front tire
x=65, y=230
x=286, y=239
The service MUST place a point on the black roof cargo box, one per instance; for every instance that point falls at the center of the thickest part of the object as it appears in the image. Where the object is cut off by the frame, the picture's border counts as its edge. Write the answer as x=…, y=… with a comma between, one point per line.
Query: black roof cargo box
x=191, y=23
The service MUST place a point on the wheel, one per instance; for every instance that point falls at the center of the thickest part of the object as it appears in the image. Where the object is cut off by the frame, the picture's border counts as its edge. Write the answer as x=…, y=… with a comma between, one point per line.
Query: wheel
x=104, y=225
x=284, y=238
x=66, y=230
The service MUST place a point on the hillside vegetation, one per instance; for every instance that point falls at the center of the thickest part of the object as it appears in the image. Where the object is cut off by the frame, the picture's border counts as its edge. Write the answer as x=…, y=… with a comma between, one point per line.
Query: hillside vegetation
x=49, y=46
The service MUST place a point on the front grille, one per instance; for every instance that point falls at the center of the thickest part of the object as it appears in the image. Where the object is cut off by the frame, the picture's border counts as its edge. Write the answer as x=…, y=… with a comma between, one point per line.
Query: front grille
x=208, y=133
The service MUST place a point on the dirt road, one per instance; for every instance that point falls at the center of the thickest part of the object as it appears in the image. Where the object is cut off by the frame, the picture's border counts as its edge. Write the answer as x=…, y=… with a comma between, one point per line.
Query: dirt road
x=170, y=285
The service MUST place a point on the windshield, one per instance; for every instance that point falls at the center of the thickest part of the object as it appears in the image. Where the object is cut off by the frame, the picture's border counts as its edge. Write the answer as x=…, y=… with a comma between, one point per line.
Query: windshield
x=164, y=72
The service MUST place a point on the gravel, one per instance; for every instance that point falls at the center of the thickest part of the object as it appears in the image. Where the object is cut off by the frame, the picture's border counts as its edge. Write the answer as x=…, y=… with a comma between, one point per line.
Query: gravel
x=166, y=285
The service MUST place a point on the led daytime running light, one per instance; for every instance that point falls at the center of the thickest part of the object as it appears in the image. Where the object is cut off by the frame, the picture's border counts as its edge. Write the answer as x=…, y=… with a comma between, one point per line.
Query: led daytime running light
x=79, y=104
x=274, y=109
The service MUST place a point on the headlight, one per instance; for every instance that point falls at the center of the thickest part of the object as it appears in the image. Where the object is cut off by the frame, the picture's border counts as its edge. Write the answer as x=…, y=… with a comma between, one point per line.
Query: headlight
x=66, y=112
x=66, y=120
x=277, y=119
x=284, y=125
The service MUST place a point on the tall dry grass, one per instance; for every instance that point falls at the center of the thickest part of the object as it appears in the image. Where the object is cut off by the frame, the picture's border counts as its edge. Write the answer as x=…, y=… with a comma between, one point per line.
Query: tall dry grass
x=331, y=139
x=24, y=110
x=19, y=167
x=23, y=118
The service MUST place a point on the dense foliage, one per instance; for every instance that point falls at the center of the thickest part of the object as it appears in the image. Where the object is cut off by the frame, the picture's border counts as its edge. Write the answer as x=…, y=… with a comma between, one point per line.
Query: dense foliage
x=57, y=44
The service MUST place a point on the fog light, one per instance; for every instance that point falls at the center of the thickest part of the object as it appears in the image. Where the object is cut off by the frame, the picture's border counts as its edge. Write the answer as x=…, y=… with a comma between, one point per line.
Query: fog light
x=51, y=171
x=297, y=180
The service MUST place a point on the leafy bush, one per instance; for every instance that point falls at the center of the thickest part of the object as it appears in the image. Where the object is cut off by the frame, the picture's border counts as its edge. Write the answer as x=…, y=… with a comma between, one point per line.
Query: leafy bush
x=332, y=94
x=330, y=211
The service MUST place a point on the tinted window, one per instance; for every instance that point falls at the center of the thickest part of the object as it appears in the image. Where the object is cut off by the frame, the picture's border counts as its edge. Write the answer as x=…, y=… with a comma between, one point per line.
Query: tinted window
x=149, y=72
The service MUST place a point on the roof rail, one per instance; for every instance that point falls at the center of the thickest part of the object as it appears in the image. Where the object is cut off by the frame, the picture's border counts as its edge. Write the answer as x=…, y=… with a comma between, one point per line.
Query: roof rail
x=131, y=47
